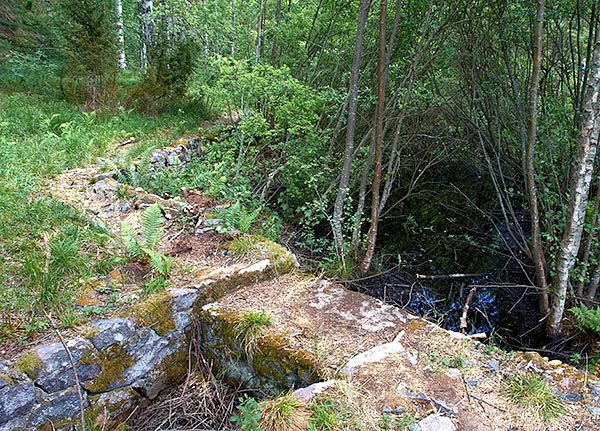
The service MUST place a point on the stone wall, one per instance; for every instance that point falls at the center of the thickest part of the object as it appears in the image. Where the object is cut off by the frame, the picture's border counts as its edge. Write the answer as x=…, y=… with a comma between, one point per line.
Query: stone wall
x=121, y=362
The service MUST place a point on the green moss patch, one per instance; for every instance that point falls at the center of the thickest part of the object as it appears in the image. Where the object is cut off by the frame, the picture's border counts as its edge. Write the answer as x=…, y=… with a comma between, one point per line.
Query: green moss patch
x=30, y=364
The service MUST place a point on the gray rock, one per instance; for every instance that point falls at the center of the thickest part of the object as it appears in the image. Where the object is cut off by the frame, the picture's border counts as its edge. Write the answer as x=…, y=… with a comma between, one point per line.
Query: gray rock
x=111, y=331
x=572, y=397
x=433, y=423
x=61, y=405
x=492, y=366
x=596, y=411
x=105, y=188
x=392, y=411
x=472, y=382
x=16, y=401
x=3, y=383
x=595, y=389
x=56, y=373
x=468, y=363
x=453, y=373
x=104, y=175
x=184, y=299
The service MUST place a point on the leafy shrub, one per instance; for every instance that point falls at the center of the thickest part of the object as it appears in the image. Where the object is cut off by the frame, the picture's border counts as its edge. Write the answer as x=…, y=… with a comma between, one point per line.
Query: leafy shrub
x=248, y=415
x=166, y=78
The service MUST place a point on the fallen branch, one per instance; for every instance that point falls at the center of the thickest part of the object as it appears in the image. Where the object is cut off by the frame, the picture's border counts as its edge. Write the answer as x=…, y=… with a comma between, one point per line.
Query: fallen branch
x=465, y=310
x=446, y=276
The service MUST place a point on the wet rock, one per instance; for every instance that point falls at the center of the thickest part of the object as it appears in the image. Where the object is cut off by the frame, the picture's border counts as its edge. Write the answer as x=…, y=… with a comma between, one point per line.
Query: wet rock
x=433, y=423
x=111, y=331
x=492, y=366
x=61, y=405
x=55, y=372
x=16, y=401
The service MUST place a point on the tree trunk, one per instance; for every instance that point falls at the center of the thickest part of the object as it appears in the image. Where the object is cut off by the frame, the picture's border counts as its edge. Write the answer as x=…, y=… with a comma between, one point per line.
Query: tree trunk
x=578, y=196
x=536, y=237
x=120, y=38
x=259, y=33
x=338, y=207
x=277, y=18
x=147, y=30
x=382, y=67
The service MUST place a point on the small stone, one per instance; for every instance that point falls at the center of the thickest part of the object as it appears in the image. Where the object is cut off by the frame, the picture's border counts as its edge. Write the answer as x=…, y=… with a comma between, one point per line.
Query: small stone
x=472, y=382
x=203, y=230
x=572, y=397
x=555, y=363
x=596, y=411
x=433, y=423
x=453, y=373
x=124, y=207
x=392, y=411
x=468, y=363
x=492, y=366
x=308, y=393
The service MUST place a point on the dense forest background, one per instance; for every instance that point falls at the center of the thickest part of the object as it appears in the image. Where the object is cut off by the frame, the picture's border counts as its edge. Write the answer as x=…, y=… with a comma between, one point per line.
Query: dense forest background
x=417, y=137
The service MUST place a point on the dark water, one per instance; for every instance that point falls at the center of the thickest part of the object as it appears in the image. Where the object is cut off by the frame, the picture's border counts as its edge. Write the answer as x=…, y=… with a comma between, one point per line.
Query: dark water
x=430, y=237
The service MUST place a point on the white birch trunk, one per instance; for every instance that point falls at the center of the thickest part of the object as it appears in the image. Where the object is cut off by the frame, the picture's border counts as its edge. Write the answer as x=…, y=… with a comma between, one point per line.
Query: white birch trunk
x=120, y=36
x=146, y=37
x=579, y=190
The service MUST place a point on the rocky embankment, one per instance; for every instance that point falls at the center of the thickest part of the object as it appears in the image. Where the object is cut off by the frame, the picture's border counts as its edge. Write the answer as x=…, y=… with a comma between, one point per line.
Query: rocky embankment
x=308, y=333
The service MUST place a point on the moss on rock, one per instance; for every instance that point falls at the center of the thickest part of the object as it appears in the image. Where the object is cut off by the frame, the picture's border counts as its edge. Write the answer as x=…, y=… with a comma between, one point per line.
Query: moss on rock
x=113, y=361
x=30, y=363
x=156, y=313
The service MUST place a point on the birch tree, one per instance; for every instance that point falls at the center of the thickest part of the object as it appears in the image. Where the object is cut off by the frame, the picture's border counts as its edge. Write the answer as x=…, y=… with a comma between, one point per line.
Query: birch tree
x=146, y=35
x=579, y=189
x=120, y=37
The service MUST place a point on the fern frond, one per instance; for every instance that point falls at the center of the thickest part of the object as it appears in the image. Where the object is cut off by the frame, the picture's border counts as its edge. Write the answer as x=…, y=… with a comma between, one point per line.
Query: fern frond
x=151, y=223
x=159, y=262
x=129, y=237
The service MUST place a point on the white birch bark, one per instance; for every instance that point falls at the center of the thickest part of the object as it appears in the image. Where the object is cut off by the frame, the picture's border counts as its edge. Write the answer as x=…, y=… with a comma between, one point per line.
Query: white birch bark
x=579, y=190
x=120, y=36
x=146, y=37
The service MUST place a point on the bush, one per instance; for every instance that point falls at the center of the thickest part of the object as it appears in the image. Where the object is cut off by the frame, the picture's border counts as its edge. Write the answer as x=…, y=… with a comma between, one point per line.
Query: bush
x=166, y=78
x=88, y=46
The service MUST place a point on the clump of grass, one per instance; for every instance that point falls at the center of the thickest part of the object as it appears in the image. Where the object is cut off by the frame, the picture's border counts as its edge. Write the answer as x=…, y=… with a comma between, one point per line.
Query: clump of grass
x=250, y=328
x=242, y=245
x=284, y=413
x=532, y=391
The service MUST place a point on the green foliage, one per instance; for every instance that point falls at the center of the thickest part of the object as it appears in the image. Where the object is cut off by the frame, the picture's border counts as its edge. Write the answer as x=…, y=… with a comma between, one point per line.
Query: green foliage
x=588, y=318
x=88, y=44
x=249, y=328
x=151, y=222
x=239, y=217
x=533, y=392
x=165, y=81
x=248, y=414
